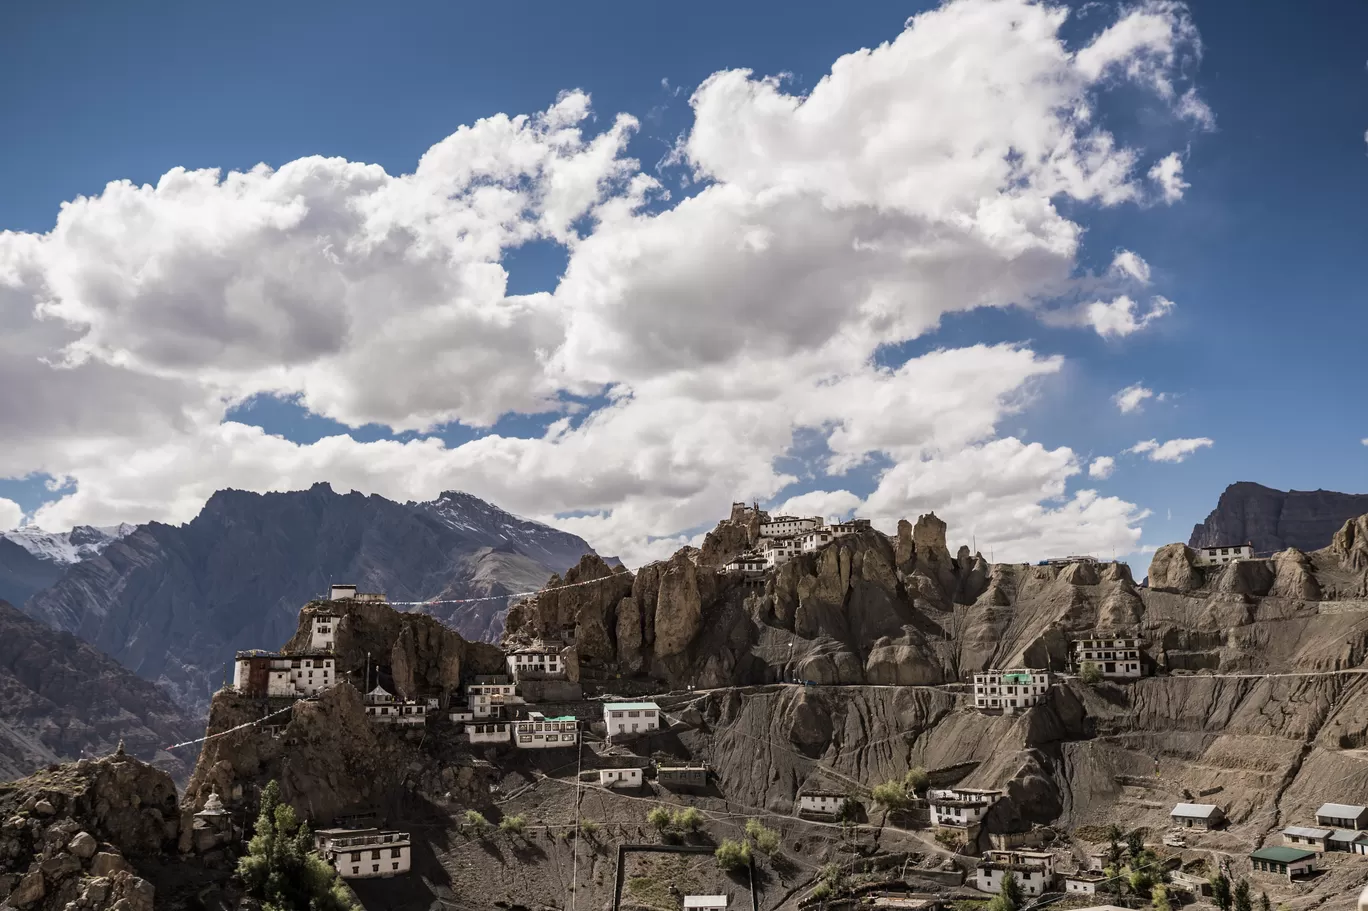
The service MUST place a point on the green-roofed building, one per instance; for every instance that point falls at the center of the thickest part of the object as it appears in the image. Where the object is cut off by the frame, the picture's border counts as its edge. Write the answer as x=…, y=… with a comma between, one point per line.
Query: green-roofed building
x=1284, y=861
x=1011, y=691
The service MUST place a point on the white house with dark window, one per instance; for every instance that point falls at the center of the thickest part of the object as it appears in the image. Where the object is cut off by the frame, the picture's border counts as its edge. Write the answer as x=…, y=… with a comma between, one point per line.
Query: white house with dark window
x=1114, y=656
x=779, y=551
x=1224, y=553
x=383, y=708
x=1034, y=871
x=705, y=903
x=258, y=673
x=365, y=853
x=751, y=564
x=821, y=803
x=1083, y=882
x=535, y=663
x=788, y=526
x=323, y=632
x=631, y=717
x=537, y=732
x=1011, y=691
x=487, y=696
x=620, y=778
x=960, y=807
x=1307, y=838
x=1284, y=861
x=1197, y=815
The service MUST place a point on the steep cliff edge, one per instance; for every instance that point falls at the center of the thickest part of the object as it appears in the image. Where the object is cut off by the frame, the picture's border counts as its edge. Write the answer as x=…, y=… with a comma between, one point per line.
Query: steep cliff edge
x=1274, y=520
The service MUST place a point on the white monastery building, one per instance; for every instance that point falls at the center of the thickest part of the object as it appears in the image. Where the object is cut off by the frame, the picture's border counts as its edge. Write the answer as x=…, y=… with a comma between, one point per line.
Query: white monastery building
x=960, y=807
x=381, y=706
x=631, y=717
x=488, y=732
x=1034, y=871
x=537, y=732
x=1011, y=691
x=365, y=853
x=486, y=696
x=1117, y=656
x=786, y=526
x=323, y=635
x=751, y=563
x=258, y=673
x=826, y=803
x=534, y=663
x=620, y=778
x=1224, y=553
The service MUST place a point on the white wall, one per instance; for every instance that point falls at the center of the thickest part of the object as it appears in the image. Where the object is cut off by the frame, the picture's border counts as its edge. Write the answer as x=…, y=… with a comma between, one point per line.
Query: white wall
x=372, y=861
x=620, y=778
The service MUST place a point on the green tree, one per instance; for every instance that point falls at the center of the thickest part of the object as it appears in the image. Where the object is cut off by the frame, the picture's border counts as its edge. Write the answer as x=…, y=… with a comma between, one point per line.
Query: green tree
x=891, y=795
x=766, y=839
x=1220, y=891
x=916, y=780
x=1160, y=900
x=1090, y=673
x=281, y=867
x=688, y=819
x=660, y=818
x=732, y=854
x=513, y=825
x=1009, y=897
x=820, y=892
x=1244, y=900
x=1135, y=844
x=475, y=822
x=1140, y=882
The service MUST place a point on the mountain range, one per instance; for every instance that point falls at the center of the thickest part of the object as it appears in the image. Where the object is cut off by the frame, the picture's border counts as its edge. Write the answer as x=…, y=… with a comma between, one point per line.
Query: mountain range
x=1274, y=520
x=174, y=602
x=32, y=559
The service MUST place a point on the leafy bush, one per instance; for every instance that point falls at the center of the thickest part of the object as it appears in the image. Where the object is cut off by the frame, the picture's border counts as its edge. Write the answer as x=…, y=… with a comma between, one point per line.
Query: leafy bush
x=1090, y=673
x=765, y=839
x=659, y=817
x=281, y=867
x=1160, y=900
x=688, y=819
x=513, y=825
x=733, y=854
x=475, y=822
x=917, y=780
x=890, y=794
x=589, y=827
x=821, y=892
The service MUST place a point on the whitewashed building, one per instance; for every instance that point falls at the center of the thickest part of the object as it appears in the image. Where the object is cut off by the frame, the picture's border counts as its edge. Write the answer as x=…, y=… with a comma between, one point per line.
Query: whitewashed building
x=1224, y=553
x=821, y=803
x=1011, y=691
x=1083, y=882
x=779, y=551
x=620, y=778
x=537, y=732
x=816, y=539
x=488, y=731
x=323, y=632
x=705, y=903
x=1197, y=815
x=631, y=717
x=535, y=663
x=960, y=807
x=383, y=708
x=841, y=529
x=365, y=853
x=349, y=593
x=1114, y=656
x=788, y=526
x=258, y=673
x=748, y=563
x=1034, y=871
x=487, y=696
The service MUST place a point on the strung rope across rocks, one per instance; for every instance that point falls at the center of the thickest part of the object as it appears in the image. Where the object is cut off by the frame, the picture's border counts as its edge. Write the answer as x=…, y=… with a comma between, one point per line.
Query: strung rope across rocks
x=502, y=597
x=177, y=746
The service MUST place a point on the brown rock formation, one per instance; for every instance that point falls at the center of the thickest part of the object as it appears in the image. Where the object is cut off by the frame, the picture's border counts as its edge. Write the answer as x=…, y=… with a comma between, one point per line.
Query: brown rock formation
x=1350, y=543
x=1174, y=568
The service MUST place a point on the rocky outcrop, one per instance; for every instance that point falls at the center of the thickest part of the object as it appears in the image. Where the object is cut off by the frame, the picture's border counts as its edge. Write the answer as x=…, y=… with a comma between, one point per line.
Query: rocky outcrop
x=74, y=836
x=61, y=699
x=172, y=603
x=1274, y=520
x=1350, y=543
x=1174, y=568
x=733, y=536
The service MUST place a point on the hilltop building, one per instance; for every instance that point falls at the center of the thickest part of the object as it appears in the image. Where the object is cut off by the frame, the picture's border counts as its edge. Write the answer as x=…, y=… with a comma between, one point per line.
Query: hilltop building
x=631, y=717
x=960, y=807
x=489, y=695
x=349, y=593
x=1114, y=656
x=1224, y=553
x=1011, y=691
x=323, y=633
x=365, y=853
x=381, y=706
x=788, y=526
x=259, y=673
x=749, y=563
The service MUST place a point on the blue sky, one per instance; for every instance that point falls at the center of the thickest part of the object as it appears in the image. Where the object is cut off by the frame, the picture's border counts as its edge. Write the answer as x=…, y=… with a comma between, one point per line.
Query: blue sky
x=1262, y=255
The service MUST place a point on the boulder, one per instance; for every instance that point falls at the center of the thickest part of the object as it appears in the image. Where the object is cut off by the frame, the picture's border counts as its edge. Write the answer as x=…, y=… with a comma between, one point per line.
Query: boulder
x=1292, y=576
x=30, y=891
x=1174, y=568
x=83, y=845
x=44, y=808
x=107, y=863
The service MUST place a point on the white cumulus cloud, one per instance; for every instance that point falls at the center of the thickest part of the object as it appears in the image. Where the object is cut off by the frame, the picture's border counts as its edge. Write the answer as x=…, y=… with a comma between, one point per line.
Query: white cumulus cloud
x=1167, y=174
x=1131, y=398
x=1120, y=317
x=1102, y=467
x=829, y=504
x=1171, y=450
x=708, y=331
x=10, y=514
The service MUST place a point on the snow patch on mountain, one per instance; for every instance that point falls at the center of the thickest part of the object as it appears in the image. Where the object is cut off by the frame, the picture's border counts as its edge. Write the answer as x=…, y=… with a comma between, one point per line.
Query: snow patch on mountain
x=67, y=547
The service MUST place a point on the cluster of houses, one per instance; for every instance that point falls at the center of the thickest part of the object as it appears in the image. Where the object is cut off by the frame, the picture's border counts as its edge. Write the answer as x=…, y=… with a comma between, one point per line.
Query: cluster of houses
x=1339, y=827
x=1016, y=689
x=784, y=537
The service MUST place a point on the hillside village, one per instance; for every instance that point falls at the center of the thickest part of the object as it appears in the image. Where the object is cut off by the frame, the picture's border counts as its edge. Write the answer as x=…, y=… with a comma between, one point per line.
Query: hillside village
x=867, y=721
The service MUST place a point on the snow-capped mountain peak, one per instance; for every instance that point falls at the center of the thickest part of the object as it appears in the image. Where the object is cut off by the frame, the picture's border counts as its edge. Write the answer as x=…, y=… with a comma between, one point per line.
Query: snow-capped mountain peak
x=67, y=547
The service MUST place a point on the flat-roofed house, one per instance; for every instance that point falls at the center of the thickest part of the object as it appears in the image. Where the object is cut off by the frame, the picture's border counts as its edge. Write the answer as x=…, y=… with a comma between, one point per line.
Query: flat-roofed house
x=1034, y=871
x=631, y=717
x=705, y=903
x=960, y=807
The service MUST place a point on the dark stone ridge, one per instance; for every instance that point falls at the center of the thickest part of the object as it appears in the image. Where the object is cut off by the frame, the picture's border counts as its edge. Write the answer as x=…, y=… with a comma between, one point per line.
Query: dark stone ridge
x=173, y=603
x=1274, y=520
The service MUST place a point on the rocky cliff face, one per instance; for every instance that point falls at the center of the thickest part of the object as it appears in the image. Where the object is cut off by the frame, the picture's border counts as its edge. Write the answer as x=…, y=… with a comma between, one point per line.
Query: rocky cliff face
x=62, y=699
x=1274, y=520
x=174, y=603
x=81, y=836
x=32, y=559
